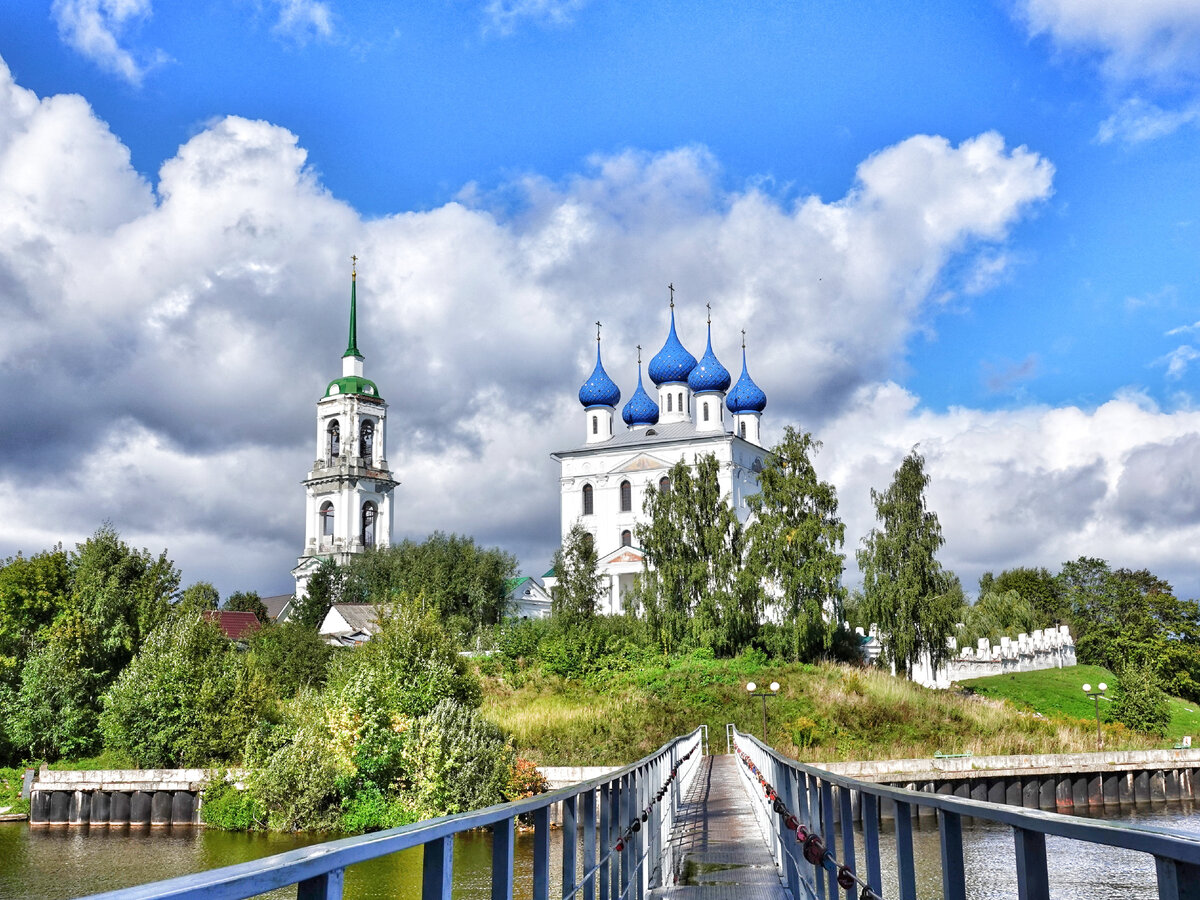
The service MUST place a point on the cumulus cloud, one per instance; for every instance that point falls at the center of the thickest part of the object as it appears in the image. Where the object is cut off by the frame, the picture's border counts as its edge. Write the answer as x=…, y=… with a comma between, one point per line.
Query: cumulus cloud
x=1137, y=121
x=505, y=16
x=1157, y=39
x=164, y=345
x=95, y=27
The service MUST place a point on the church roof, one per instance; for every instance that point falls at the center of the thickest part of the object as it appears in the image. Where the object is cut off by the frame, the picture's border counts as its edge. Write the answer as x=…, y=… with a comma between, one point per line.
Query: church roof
x=353, y=384
x=746, y=396
x=672, y=364
x=658, y=434
x=709, y=374
x=641, y=409
x=599, y=389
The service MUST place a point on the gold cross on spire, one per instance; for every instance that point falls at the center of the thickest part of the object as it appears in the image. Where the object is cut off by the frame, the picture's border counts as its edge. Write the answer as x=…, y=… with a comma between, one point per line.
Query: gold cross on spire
x=639, y=346
x=708, y=306
x=743, y=338
x=353, y=266
x=671, y=288
x=597, y=331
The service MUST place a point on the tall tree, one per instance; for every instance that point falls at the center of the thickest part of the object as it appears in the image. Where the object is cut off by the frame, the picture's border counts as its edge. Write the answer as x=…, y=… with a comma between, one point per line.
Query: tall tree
x=905, y=589
x=579, y=583
x=248, y=601
x=198, y=597
x=1039, y=587
x=325, y=588
x=793, y=544
x=694, y=589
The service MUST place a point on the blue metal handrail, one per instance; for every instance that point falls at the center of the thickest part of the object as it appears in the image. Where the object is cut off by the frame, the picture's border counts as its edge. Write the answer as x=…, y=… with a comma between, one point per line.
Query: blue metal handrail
x=807, y=792
x=621, y=796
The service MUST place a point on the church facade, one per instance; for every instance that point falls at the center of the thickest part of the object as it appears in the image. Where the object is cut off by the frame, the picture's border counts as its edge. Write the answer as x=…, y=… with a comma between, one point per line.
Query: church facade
x=348, y=491
x=694, y=412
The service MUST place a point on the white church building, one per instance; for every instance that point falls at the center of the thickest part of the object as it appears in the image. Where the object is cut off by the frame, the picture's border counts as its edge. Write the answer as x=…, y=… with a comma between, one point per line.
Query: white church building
x=604, y=480
x=348, y=491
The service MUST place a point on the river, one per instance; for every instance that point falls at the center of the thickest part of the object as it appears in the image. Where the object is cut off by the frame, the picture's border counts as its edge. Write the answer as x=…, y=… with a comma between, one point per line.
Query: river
x=61, y=862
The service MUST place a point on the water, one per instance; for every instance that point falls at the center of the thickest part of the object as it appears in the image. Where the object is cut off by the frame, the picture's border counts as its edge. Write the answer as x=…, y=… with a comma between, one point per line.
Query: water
x=55, y=863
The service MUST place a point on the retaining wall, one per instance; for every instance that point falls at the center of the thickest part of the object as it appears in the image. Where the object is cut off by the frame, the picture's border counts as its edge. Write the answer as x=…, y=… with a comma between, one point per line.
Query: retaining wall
x=117, y=797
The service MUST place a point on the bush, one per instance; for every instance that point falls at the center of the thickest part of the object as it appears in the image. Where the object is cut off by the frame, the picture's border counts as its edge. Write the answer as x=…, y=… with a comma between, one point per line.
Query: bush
x=289, y=657
x=297, y=785
x=1141, y=703
x=456, y=760
x=228, y=808
x=54, y=713
x=804, y=731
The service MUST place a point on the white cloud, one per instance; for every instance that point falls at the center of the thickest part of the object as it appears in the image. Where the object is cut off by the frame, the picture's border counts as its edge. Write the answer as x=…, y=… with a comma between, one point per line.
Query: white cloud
x=1156, y=39
x=303, y=20
x=1184, y=329
x=1137, y=121
x=169, y=345
x=504, y=16
x=1178, y=360
x=94, y=28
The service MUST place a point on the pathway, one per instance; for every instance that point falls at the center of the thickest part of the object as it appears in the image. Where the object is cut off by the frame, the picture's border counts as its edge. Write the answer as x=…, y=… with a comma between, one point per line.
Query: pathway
x=721, y=846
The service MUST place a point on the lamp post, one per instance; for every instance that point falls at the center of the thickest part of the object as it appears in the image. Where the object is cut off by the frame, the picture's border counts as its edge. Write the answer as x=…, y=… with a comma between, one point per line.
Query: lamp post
x=1096, y=695
x=751, y=687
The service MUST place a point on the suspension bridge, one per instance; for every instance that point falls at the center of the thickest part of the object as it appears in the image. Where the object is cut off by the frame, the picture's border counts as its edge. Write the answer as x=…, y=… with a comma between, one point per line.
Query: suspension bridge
x=683, y=824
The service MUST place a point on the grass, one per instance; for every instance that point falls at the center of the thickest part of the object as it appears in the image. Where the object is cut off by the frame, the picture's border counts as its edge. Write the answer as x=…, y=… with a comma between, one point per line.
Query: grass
x=10, y=790
x=822, y=713
x=1059, y=693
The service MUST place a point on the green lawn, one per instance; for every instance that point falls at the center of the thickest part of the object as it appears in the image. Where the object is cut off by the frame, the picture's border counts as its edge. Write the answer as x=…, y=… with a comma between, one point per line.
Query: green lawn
x=1059, y=692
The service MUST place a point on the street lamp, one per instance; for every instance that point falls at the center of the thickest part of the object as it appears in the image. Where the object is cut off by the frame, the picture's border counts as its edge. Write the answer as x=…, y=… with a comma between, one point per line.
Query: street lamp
x=751, y=687
x=1096, y=695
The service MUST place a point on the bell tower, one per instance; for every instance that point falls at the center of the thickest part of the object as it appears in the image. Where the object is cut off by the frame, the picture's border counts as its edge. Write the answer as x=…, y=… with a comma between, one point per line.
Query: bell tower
x=348, y=492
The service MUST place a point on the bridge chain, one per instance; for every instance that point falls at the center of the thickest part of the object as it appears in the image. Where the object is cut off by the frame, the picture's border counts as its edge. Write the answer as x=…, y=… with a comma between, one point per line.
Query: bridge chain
x=636, y=824
x=812, y=844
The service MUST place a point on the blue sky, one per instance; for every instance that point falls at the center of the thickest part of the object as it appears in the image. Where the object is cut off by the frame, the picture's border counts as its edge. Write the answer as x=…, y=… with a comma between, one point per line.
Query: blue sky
x=946, y=223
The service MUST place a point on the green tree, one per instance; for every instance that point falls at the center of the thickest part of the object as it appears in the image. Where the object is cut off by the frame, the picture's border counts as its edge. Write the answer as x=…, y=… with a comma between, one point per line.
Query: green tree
x=793, y=544
x=1038, y=586
x=33, y=591
x=905, y=589
x=579, y=583
x=248, y=601
x=198, y=597
x=1140, y=703
x=289, y=656
x=325, y=588
x=994, y=615
x=694, y=589
x=186, y=699
x=55, y=711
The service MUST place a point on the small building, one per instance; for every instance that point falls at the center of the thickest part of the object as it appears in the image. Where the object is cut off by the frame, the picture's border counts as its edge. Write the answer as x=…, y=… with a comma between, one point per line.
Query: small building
x=350, y=624
x=237, y=626
x=279, y=607
x=527, y=598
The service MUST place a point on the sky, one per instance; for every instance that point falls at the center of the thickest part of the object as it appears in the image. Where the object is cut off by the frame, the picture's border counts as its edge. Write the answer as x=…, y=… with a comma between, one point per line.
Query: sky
x=966, y=228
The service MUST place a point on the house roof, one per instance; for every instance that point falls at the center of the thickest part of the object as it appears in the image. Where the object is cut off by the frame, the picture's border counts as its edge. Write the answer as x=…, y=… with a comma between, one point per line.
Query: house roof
x=275, y=605
x=359, y=616
x=512, y=584
x=234, y=625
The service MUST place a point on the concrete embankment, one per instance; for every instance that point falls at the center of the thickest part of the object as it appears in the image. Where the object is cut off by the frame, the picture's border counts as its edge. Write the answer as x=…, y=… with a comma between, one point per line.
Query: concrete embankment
x=116, y=797
x=1066, y=782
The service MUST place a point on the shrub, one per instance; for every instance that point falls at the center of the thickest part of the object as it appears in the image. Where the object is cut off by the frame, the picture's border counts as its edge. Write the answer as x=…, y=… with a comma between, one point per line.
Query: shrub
x=1141, y=703
x=525, y=780
x=228, y=808
x=804, y=731
x=54, y=713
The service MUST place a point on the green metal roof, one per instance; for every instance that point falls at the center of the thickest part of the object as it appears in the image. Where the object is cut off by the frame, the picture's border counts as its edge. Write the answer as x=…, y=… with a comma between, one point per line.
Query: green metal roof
x=549, y=573
x=352, y=344
x=353, y=384
x=512, y=584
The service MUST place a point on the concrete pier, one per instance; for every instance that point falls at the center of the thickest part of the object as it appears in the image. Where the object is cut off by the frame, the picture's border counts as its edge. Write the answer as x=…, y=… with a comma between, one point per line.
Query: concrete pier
x=117, y=797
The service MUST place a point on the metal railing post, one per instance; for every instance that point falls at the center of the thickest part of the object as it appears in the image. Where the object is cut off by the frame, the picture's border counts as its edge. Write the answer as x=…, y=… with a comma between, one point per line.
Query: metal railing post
x=570, y=844
x=1033, y=879
x=829, y=833
x=541, y=854
x=870, y=812
x=906, y=873
x=437, y=869
x=622, y=824
x=954, y=876
x=846, y=803
x=589, y=844
x=327, y=886
x=606, y=839
x=502, y=860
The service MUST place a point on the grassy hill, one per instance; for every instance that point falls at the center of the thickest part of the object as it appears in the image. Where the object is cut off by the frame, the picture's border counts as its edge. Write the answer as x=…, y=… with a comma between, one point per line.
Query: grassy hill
x=1059, y=692
x=826, y=712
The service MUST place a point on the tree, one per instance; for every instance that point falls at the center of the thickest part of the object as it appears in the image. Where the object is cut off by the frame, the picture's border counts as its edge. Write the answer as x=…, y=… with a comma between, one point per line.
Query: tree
x=905, y=589
x=793, y=544
x=325, y=588
x=186, y=699
x=1140, y=703
x=1039, y=587
x=248, y=601
x=55, y=712
x=579, y=583
x=288, y=656
x=198, y=597
x=694, y=588
x=33, y=591
x=995, y=615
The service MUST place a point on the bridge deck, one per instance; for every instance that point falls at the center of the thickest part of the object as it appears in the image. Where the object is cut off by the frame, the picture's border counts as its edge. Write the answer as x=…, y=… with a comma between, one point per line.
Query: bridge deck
x=723, y=850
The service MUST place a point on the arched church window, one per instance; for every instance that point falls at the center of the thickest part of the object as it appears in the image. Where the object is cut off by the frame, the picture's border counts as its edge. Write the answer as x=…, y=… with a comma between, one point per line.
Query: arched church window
x=587, y=500
x=369, y=514
x=742, y=430
x=705, y=412
x=595, y=425
x=664, y=484
x=335, y=440
x=668, y=402
x=626, y=538
x=366, y=441
x=626, y=496
x=327, y=519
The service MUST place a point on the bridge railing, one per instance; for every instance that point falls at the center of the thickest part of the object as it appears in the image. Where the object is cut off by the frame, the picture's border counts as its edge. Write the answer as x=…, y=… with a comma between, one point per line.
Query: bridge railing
x=798, y=800
x=615, y=824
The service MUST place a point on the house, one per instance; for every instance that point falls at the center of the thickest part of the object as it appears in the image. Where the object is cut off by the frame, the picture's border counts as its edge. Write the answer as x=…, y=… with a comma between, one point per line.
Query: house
x=279, y=607
x=237, y=626
x=527, y=598
x=350, y=624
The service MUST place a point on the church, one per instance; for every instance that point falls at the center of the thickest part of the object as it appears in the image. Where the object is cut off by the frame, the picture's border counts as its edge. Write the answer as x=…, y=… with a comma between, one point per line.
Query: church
x=603, y=481
x=348, y=491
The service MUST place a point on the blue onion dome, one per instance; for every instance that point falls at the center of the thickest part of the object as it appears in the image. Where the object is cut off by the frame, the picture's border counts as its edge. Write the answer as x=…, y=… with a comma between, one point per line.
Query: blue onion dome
x=672, y=364
x=599, y=389
x=709, y=374
x=640, y=410
x=746, y=396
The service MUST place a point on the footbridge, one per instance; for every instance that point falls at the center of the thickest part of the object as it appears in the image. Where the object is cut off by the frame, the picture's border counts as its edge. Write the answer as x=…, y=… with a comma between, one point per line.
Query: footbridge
x=684, y=824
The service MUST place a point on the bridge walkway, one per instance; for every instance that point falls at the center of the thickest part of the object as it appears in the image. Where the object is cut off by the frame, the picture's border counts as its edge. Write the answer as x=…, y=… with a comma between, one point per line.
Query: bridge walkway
x=717, y=842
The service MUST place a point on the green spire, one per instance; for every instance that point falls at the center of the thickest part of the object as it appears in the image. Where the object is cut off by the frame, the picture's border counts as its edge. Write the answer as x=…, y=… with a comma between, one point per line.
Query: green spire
x=352, y=346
